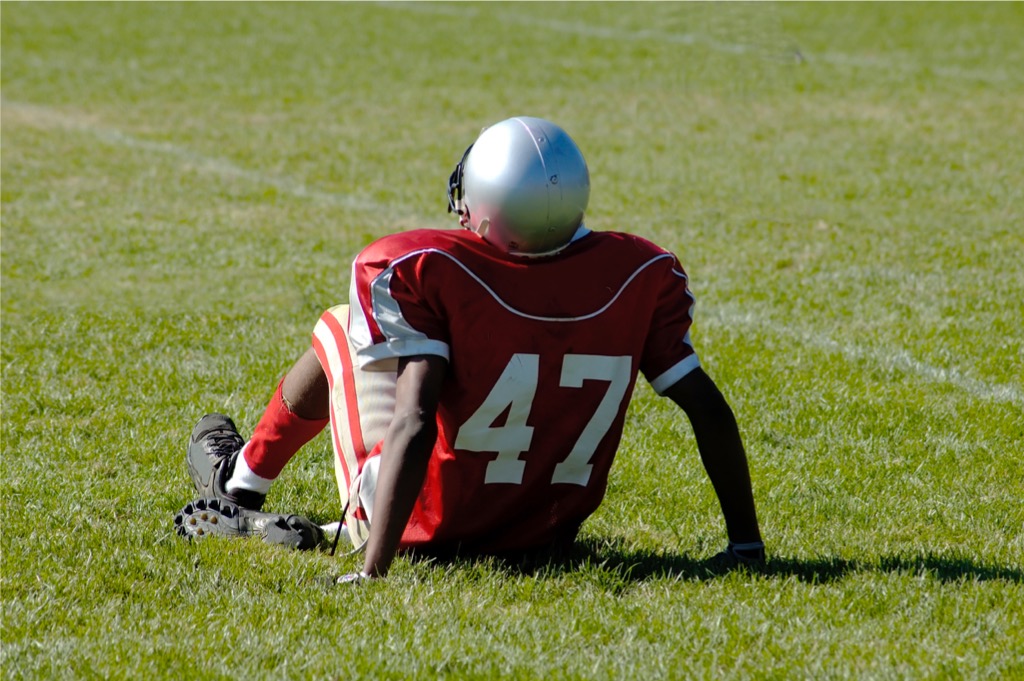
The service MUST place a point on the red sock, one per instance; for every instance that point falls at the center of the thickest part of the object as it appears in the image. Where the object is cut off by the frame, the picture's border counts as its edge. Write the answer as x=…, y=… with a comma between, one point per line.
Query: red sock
x=278, y=436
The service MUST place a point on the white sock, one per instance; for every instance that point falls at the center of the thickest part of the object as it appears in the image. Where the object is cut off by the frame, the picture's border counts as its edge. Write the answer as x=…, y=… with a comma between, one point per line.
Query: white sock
x=242, y=478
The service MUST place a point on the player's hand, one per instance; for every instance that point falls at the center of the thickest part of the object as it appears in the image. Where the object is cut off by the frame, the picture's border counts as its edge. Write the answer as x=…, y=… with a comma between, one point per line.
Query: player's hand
x=353, y=578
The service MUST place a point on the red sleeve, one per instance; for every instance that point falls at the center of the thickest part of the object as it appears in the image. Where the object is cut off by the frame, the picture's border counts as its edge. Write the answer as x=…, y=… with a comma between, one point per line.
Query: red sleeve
x=392, y=309
x=668, y=354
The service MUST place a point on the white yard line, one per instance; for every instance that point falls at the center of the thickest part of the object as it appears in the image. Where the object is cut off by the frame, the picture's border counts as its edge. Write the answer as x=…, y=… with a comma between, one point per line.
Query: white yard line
x=576, y=27
x=48, y=117
x=884, y=357
x=786, y=48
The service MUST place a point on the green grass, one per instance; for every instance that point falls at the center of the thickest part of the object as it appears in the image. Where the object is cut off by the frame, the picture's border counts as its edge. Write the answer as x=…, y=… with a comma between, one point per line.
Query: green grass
x=184, y=185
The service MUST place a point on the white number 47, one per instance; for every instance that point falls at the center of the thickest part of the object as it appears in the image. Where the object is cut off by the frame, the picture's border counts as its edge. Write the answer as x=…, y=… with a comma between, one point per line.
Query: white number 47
x=515, y=390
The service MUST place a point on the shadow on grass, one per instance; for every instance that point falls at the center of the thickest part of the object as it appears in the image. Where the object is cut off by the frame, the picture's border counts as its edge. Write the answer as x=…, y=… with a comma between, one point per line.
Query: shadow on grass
x=613, y=558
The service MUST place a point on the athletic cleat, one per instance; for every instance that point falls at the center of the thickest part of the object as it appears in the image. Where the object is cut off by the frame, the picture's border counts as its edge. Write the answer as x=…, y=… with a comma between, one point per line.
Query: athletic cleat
x=735, y=555
x=219, y=518
x=212, y=450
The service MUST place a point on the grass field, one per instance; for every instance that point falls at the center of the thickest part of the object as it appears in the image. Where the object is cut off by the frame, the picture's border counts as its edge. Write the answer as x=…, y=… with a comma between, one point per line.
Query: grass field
x=183, y=187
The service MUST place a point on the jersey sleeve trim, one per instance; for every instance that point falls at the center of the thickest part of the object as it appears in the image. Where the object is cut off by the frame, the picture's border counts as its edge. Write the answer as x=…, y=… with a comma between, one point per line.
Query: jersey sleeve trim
x=668, y=378
x=400, y=348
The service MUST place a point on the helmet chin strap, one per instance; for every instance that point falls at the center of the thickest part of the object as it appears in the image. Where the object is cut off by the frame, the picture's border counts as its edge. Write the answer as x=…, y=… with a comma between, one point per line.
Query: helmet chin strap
x=481, y=228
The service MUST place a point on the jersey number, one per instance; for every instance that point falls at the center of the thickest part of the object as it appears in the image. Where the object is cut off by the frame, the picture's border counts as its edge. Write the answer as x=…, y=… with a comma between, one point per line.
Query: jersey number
x=514, y=392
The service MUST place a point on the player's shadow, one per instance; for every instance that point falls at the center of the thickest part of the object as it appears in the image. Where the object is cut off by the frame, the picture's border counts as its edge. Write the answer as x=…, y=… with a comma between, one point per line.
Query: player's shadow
x=610, y=559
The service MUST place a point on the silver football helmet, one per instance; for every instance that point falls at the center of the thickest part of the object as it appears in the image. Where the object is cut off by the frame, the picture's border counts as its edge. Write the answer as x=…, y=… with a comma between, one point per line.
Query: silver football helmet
x=523, y=186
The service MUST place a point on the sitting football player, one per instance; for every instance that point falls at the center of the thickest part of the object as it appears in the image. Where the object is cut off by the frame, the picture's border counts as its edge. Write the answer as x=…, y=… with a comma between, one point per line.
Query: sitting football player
x=477, y=381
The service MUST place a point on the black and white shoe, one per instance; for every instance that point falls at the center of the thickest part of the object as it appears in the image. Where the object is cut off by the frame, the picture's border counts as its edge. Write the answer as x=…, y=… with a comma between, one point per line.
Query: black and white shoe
x=219, y=518
x=213, y=448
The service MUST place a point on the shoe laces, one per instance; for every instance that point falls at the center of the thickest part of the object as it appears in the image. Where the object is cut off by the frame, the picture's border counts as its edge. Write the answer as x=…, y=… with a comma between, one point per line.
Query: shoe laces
x=223, y=442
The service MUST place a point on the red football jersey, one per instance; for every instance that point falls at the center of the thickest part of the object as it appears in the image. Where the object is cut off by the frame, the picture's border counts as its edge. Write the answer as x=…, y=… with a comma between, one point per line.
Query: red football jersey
x=543, y=354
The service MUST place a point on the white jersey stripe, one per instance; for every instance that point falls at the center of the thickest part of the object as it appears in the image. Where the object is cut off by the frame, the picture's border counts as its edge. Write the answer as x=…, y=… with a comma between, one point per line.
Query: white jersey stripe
x=358, y=326
x=388, y=313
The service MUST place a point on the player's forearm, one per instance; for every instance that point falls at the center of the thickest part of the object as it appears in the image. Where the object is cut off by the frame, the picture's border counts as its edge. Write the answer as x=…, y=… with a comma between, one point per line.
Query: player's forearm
x=721, y=451
x=405, y=455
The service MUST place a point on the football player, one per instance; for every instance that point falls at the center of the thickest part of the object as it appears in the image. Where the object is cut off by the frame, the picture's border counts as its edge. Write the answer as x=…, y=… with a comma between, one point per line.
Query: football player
x=477, y=382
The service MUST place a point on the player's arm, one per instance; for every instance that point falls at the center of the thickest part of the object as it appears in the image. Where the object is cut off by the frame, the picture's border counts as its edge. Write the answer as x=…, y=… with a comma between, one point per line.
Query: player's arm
x=406, y=451
x=721, y=451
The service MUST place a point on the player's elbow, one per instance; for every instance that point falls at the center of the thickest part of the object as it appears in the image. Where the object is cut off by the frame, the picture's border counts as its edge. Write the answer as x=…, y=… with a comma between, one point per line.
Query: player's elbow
x=416, y=427
x=702, y=401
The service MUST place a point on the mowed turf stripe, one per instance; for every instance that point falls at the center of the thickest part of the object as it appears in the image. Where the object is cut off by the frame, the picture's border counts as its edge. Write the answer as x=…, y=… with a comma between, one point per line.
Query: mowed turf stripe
x=887, y=358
